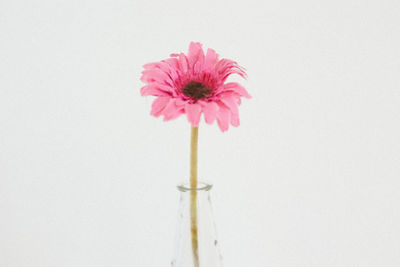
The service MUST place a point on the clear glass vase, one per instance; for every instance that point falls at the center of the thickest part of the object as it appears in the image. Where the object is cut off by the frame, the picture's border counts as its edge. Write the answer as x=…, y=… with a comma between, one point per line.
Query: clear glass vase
x=196, y=242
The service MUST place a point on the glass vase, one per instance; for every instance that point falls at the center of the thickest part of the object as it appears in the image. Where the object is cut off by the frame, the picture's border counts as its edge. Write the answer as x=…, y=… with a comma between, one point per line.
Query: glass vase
x=196, y=242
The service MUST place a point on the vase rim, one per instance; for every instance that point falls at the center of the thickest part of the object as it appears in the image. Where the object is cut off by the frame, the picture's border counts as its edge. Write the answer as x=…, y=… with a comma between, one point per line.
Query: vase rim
x=201, y=186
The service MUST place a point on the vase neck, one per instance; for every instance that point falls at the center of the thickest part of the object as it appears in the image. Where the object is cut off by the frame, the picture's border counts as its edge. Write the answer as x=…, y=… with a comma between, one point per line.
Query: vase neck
x=201, y=187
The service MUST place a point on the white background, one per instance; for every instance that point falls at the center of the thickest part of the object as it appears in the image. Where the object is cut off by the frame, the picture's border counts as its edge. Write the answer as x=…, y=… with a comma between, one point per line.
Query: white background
x=310, y=178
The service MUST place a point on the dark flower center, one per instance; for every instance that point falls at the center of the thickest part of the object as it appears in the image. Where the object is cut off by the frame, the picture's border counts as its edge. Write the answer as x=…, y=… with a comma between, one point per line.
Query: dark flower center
x=196, y=90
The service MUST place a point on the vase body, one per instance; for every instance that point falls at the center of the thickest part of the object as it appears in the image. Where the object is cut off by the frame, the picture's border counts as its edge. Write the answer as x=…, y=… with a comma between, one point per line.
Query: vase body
x=206, y=246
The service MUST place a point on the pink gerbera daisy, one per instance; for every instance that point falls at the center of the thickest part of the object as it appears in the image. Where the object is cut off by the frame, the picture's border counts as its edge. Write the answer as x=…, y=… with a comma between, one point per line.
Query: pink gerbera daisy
x=195, y=84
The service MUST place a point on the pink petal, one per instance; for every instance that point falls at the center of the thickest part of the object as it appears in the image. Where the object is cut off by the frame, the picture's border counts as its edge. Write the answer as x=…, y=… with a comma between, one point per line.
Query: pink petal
x=151, y=65
x=223, y=117
x=197, y=67
x=235, y=119
x=173, y=67
x=173, y=62
x=237, y=88
x=164, y=87
x=195, y=54
x=183, y=62
x=231, y=103
x=175, y=114
x=210, y=112
x=158, y=105
x=151, y=75
x=180, y=102
x=211, y=59
x=193, y=112
x=172, y=111
x=226, y=67
x=153, y=90
x=165, y=67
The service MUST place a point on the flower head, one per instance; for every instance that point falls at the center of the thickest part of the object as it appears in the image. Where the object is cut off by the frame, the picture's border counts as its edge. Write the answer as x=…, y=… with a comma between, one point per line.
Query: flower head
x=194, y=84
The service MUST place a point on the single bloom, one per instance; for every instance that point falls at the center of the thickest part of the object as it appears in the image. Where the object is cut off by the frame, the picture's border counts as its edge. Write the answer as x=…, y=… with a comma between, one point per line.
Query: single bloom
x=194, y=84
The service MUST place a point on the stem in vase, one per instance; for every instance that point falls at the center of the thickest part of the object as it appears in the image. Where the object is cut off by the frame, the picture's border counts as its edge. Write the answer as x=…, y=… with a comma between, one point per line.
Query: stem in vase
x=193, y=194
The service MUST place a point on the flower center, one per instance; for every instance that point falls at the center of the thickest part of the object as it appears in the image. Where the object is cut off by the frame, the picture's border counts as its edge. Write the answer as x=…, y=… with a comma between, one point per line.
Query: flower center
x=196, y=90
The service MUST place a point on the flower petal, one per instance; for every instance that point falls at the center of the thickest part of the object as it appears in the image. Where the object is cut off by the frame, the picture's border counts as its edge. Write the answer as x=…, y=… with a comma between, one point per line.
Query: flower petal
x=237, y=88
x=173, y=67
x=152, y=75
x=183, y=64
x=180, y=102
x=193, y=112
x=153, y=90
x=197, y=68
x=226, y=67
x=173, y=62
x=210, y=112
x=158, y=105
x=195, y=54
x=223, y=117
x=151, y=65
x=211, y=59
x=235, y=119
x=231, y=103
x=172, y=111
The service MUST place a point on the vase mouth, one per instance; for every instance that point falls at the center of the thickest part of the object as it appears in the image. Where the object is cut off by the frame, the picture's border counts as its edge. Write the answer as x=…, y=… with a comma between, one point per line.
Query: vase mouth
x=201, y=186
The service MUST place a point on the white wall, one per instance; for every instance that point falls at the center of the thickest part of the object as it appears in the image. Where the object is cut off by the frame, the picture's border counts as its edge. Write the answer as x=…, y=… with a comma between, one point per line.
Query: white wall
x=310, y=178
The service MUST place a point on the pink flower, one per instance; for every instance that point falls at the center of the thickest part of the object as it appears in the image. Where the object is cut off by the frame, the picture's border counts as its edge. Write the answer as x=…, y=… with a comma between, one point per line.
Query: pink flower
x=195, y=85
